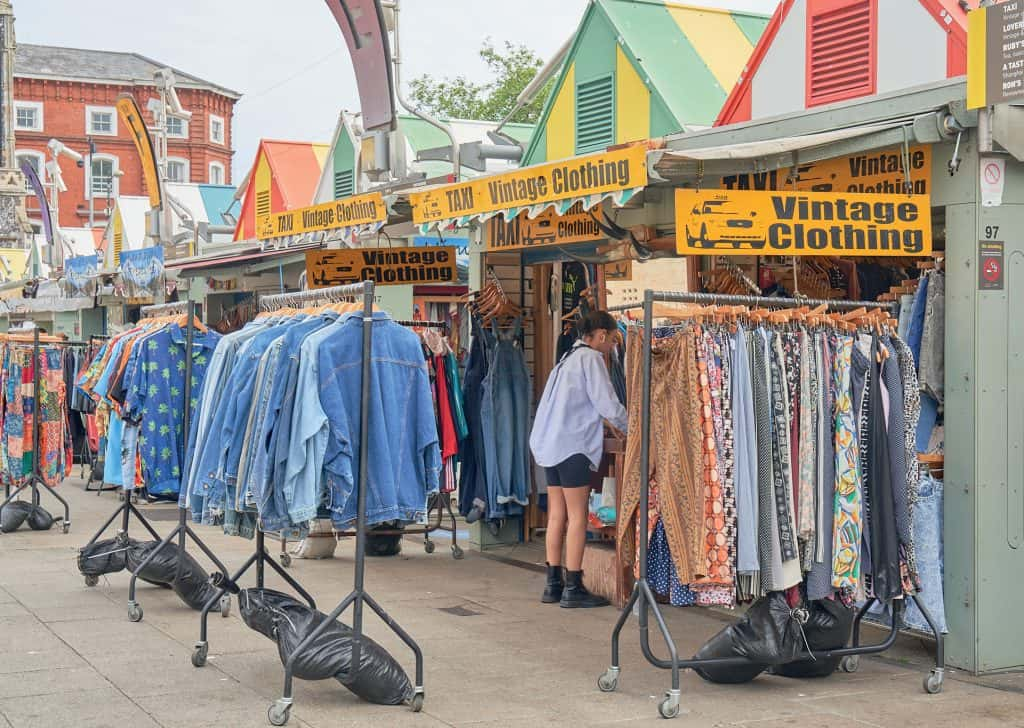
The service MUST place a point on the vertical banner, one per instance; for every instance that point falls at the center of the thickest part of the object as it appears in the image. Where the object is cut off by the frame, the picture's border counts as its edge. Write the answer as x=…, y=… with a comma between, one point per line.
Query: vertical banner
x=130, y=115
x=44, y=207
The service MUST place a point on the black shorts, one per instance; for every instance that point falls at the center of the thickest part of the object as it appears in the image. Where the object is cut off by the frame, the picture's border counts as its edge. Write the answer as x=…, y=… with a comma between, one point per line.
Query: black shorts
x=573, y=472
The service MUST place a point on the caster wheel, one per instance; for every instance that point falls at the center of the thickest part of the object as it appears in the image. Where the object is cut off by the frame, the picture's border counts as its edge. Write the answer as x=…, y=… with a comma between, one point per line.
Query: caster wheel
x=135, y=612
x=608, y=682
x=200, y=653
x=278, y=715
x=669, y=707
x=850, y=663
x=416, y=704
x=933, y=683
x=225, y=606
x=66, y=527
x=92, y=580
x=429, y=546
x=457, y=553
x=286, y=560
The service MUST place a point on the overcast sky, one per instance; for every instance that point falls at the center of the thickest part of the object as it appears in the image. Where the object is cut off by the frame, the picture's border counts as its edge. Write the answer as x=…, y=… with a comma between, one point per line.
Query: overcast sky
x=288, y=58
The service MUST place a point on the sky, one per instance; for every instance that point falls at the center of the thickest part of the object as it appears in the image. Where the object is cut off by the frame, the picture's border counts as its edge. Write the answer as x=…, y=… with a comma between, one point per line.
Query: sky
x=288, y=58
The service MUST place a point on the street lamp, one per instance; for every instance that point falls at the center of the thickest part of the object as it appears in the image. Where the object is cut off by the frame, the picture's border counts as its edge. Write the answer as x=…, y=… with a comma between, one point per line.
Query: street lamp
x=117, y=173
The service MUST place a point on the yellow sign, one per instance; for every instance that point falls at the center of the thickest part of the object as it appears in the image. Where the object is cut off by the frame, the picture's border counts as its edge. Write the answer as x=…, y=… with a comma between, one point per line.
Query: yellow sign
x=546, y=230
x=723, y=222
x=874, y=172
x=621, y=169
x=384, y=266
x=995, y=54
x=621, y=270
x=131, y=117
x=346, y=212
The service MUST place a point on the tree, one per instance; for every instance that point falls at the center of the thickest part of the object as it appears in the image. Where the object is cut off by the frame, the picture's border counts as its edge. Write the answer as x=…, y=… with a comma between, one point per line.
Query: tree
x=459, y=98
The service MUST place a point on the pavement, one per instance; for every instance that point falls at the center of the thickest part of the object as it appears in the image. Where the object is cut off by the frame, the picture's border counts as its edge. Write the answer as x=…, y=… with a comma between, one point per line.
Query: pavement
x=494, y=655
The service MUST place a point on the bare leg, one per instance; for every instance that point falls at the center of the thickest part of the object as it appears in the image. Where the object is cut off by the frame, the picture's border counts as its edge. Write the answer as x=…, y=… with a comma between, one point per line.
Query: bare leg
x=555, y=535
x=576, y=506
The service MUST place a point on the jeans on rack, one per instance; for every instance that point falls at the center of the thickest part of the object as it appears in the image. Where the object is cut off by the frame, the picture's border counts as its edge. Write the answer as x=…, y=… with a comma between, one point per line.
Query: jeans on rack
x=473, y=478
x=929, y=550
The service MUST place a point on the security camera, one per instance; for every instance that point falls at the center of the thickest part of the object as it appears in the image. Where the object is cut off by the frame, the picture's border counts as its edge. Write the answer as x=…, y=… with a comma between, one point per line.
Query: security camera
x=57, y=148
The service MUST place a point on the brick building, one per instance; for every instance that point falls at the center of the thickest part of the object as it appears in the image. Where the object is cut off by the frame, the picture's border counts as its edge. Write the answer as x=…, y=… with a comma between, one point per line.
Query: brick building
x=69, y=94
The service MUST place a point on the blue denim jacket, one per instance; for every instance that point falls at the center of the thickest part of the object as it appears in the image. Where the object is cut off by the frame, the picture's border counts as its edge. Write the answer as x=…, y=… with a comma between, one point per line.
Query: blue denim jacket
x=404, y=454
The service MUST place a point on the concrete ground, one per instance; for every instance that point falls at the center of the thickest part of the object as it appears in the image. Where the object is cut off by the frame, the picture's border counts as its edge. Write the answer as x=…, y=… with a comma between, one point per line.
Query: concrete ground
x=494, y=655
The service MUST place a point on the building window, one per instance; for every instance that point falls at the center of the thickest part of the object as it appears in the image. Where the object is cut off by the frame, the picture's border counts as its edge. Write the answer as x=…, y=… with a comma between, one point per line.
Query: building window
x=177, y=127
x=28, y=115
x=216, y=173
x=35, y=160
x=216, y=129
x=177, y=170
x=595, y=115
x=101, y=120
x=103, y=176
x=841, y=50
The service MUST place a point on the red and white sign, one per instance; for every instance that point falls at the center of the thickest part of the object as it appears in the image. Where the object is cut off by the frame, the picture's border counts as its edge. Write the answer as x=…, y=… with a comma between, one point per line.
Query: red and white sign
x=993, y=180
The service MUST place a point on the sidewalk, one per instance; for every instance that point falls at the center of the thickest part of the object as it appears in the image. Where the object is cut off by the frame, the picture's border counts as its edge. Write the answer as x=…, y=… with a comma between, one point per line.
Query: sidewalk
x=494, y=655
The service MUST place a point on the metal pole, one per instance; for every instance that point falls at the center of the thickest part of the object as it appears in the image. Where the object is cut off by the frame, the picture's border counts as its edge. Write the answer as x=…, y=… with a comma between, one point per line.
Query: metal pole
x=92, y=213
x=36, y=469
x=183, y=497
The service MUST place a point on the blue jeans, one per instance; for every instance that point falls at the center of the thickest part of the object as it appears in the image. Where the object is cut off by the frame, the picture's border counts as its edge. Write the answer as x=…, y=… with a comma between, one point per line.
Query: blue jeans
x=473, y=478
x=928, y=545
x=507, y=387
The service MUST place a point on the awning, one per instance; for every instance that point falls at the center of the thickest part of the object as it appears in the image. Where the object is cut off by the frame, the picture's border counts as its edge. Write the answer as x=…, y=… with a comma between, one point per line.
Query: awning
x=187, y=266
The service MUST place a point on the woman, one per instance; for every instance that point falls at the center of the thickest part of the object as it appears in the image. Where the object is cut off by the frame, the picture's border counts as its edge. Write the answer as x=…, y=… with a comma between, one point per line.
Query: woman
x=568, y=441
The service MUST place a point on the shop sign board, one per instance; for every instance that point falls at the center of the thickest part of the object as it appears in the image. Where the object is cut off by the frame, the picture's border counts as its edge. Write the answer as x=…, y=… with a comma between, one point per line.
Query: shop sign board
x=548, y=229
x=383, y=266
x=732, y=222
x=871, y=172
x=347, y=212
x=995, y=54
x=613, y=171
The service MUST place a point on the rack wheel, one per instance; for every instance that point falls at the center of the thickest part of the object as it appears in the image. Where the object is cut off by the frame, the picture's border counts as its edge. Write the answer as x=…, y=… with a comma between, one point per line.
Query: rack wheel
x=92, y=580
x=416, y=704
x=66, y=527
x=200, y=653
x=278, y=714
x=286, y=559
x=669, y=707
x=933, y=682
x=609, y=682
x=457, y=553
x=429, y=546
x=225, y=606
x=134, y=612
x=850, y=663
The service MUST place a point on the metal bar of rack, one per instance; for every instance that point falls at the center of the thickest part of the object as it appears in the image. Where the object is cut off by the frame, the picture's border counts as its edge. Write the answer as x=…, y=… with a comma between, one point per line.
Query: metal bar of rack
x=35, y=480
x=90, y=459
x=280, y=710
x=183, y=531
x=642, y=596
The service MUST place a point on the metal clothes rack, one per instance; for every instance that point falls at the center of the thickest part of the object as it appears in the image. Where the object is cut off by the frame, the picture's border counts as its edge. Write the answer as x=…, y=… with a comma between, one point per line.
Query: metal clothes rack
x=279, y=711
x=89, y=459
x=35, y=479
x=643, y=597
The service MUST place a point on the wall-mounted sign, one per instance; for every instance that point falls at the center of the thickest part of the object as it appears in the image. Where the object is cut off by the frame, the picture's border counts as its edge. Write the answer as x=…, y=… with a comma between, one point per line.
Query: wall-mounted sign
x=132, y=118
x=871, y=172
x=990, y=265
x=546, y=230
x=347, y=212
x=384, y=266
x=621, y=169
x=995, y=54
x=725, y=222
x=621, y=270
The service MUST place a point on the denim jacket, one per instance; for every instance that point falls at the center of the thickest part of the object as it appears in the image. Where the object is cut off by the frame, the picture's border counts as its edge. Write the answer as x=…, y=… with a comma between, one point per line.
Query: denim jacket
x=404, y=454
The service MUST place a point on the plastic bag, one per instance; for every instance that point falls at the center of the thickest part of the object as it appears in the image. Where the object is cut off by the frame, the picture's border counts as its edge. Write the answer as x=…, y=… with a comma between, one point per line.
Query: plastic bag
x=380, y=679
x=192, y=586
x=39, y=519
x=828, y=628
x=768, y=634
x=381, y=544
x=102, y=557
x=14, y=514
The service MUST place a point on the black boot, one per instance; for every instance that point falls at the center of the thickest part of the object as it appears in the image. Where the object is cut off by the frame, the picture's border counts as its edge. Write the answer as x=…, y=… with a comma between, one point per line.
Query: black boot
x=553, y=591
x=576, y=596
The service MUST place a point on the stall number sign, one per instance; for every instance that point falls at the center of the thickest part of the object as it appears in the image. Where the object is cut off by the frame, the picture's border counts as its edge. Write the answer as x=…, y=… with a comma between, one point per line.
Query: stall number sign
x=726, y=222
x=546, y=230
x=383, y=266
x=995, y=54
x=621, y=169
x=877, y=172
x=346, y=212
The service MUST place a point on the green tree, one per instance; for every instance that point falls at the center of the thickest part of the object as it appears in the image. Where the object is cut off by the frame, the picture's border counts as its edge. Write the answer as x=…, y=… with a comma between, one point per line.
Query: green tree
x=511, y=69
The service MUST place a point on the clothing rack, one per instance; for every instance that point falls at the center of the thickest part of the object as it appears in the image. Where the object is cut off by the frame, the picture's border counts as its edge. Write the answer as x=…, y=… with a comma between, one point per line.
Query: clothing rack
x=90, y=460
x=642, y=596
x=35, y=479
x=279, y=712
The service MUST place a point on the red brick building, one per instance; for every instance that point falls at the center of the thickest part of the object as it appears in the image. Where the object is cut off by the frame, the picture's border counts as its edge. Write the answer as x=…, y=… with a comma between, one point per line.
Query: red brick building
x=69, y=94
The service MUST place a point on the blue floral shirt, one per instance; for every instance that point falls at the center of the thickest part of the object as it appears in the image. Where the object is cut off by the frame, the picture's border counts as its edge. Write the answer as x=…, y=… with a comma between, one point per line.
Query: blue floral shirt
x=155, y=379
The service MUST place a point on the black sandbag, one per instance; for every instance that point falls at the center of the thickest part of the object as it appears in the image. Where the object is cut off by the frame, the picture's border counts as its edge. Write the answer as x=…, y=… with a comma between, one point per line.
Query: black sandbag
x=767, y=634
x=102, y=557
x=192, y=586
x=261, y=609
x=14, y=514
x=384, y=544
x=827, y=628
x=39, y=519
